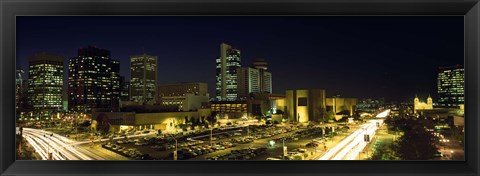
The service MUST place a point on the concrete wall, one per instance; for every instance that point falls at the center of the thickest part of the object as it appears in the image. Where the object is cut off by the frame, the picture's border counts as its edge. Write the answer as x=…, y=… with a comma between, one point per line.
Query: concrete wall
x=315, y=101
x=338, y=104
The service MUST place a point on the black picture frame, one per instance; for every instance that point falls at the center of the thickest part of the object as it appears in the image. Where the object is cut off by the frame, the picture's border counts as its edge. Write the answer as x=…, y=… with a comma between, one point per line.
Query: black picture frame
x=9, y=9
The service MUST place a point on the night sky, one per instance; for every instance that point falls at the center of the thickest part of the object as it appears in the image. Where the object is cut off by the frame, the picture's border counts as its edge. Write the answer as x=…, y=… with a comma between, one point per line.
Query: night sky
x=394, y=57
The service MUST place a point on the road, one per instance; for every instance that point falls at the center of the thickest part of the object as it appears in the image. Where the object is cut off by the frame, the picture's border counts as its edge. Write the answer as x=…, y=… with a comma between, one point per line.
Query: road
x=62, y=148
x=350, y=147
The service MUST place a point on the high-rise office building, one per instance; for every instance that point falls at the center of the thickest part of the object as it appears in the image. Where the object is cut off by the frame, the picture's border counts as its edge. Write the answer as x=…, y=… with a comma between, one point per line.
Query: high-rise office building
x=254, y=79
x=124, y=89
x=265, y=83
x=248, y=82
x=226, y=77
x=451, y=86
x=45, y=82
x=143, y=78
x=93, y=81
x=21, y=91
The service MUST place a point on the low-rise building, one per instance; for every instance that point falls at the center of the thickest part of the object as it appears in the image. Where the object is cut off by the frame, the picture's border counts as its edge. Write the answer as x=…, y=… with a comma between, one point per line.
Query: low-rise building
x=164, y=121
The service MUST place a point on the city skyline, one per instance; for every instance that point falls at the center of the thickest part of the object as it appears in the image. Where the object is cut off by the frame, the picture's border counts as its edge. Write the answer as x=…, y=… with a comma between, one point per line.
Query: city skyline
x=358, y=73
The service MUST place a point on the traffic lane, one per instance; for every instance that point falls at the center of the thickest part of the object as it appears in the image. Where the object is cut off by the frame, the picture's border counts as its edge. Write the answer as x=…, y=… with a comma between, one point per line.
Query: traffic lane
x=103, y=152
x=50, y=144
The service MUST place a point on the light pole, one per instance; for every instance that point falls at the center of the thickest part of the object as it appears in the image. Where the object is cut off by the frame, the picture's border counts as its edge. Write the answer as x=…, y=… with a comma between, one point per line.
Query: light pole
x=49, y=156
x=176, y=148
x=211, y=136
x=283, y=148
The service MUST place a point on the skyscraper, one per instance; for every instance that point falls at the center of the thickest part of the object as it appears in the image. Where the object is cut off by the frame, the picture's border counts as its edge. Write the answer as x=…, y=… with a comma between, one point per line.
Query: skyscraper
x=227, y=64
x=45, y=82
x=265, y=83
x=248, y=82
x=21, y=91
x=143, y=78
x=124, y=89
x=254, y=79
x=451, y=86
x=93, y=81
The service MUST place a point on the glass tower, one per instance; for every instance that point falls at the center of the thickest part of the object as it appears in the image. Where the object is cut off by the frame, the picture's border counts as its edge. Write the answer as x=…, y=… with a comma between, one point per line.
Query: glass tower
x=143, y=78
x=45, y=82
x=226, y=72
x=93, y=81
x=451, y=86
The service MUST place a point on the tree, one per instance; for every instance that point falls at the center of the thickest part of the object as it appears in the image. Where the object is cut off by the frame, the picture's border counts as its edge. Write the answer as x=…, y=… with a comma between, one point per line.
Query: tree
x=384, y=152
x=330, y=115
x=186, y=120
x=194, y=123
x=416, y=145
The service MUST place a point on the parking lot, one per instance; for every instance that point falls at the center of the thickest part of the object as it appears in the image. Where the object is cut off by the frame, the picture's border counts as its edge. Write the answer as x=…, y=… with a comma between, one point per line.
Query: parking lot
x=257, y=142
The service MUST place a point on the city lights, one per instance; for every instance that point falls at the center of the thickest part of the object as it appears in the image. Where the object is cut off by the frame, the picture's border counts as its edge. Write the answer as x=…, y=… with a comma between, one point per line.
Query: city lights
x=258, y=91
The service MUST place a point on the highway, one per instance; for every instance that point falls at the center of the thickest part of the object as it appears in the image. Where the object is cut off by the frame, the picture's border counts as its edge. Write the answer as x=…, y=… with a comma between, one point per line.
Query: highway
x=61, y=148
x=350, y=147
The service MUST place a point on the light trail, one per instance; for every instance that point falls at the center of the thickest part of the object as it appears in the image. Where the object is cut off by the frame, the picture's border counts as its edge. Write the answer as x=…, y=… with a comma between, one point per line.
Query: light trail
x=60, y=147
x=350, y=147
x=383, y=114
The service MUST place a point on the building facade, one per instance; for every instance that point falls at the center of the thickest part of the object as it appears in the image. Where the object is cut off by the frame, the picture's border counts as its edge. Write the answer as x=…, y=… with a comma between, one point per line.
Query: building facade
x=143, y=78
x=337, y=105
x=451, y=86
x=45, y=82
x=21, y=91
x=187, y=102
x=226, y=72
x=124, y=89
x=93, y=81
x=420, y=105
x=305, y=105
x=248, y=82
x=180, y=89
x=236, y=109
x=254, y=79
x=183, y=96
x=167, y=122
x=265, y=83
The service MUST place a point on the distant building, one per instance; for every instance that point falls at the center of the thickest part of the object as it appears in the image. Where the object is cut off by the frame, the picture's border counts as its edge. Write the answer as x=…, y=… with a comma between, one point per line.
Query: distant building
x=21, y=91
x=254, y=79
x=187, y=102
x=236, y=109
x=305, y=105
x=226, y=72
x=180, y=89
x=45, y=82
x=93, y=81
x=248, y=82
x=451, y=86
x=265, y=82
x=143, y=78
x=183, y=96
x=420, y=105
x=124, y=89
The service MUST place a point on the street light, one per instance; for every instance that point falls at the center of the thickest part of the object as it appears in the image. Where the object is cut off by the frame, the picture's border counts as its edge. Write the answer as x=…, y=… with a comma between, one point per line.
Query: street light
x=176, y=148
x=49, y=155
x=271, y=142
